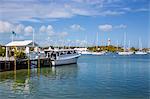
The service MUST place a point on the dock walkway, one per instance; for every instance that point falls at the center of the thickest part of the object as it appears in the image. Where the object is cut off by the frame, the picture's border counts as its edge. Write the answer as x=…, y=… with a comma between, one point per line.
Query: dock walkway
x=7, y=64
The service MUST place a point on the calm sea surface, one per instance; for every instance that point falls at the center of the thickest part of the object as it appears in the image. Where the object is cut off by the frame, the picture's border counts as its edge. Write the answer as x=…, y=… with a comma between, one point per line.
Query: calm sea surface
x=94, y=77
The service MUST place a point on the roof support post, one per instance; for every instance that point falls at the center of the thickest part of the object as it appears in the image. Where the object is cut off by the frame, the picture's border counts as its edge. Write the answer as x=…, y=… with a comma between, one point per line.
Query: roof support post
x=7, y=52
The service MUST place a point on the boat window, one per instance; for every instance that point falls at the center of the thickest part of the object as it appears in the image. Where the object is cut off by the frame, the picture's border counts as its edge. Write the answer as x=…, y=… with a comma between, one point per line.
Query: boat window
x=53, y=55
x=57, y=54
x=68, y=52
x=61, y=53
x=48, y=54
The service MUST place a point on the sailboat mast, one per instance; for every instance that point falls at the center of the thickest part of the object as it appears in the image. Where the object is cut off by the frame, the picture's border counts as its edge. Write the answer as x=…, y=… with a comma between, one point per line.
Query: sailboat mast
x=117, y=45
x=129, y=45
x=86, y=42
x=97, y=40
x=124, y=41
x=140, y=44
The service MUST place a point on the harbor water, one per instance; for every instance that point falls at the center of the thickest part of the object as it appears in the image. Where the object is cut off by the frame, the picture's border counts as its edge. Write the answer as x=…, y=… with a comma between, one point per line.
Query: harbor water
x=93, y=77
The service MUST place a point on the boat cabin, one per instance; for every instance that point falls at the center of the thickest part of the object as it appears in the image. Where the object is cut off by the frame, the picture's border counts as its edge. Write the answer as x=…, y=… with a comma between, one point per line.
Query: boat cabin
x=54, y=54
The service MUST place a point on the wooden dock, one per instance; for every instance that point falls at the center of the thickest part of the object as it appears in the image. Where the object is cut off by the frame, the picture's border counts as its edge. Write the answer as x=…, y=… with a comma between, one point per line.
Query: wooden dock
x=16, y=64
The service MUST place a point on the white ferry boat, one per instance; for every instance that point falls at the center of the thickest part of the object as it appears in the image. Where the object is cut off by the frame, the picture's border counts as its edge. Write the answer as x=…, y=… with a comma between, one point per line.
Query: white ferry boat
x=62, y=56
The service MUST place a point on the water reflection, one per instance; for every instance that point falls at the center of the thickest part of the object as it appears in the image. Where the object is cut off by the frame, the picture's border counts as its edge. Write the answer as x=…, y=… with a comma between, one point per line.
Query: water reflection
x=26, y=81
x=95, y=77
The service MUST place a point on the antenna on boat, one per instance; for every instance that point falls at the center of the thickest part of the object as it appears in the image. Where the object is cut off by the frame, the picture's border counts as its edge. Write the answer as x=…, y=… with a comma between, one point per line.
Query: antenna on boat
x=33, y=37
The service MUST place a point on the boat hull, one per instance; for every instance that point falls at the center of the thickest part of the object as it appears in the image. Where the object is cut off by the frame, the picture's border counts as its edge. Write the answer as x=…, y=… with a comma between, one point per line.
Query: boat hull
x=98, y=53
x=125, y=53
x=86, y=53
x=140, y=53
x=65, y=61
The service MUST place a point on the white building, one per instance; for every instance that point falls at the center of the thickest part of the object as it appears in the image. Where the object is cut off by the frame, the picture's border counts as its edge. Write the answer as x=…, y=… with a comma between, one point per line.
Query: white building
x=20, y=45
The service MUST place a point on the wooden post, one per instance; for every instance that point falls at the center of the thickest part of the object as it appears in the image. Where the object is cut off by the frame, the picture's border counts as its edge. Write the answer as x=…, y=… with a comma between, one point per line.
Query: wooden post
x=38, y=62
x=38, y=72
x=15, y=56
x=28, y=64
x=38, y=69
x=15, y=66
x=50, y=63
x=5, y=65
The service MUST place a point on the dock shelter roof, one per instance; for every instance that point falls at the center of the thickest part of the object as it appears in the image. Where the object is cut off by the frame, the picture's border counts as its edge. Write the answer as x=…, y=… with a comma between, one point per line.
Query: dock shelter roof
x=25, y=43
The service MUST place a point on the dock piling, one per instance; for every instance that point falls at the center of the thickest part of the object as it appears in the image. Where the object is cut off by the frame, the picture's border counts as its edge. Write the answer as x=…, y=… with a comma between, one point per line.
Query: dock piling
x=38, y=62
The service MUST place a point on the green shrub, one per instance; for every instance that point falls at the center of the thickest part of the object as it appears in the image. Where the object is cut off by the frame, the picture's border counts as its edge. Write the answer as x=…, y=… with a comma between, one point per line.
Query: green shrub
x=19, y=54
x=2, y=51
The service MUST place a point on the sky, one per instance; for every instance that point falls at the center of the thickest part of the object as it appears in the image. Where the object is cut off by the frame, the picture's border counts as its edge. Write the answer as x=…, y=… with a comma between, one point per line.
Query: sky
x=76, y=22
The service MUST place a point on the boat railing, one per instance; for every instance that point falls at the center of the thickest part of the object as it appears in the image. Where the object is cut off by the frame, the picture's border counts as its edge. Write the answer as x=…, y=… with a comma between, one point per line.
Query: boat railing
x=7, y=58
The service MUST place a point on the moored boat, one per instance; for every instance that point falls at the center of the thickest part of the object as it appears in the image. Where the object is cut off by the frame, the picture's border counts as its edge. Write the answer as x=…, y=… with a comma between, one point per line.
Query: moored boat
x=140, y=53
x=125, y=53
x=62, y=56
x=98, y=53
x=86, y=53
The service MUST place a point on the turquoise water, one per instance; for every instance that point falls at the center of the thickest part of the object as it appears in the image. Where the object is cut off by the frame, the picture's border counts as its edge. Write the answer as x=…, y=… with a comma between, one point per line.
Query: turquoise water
x=94, y=77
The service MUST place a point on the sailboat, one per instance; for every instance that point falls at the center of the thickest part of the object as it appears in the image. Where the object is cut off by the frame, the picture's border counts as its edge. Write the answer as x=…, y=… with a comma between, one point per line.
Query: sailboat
x=97, y=53
x=140, y=52
x=85, y=51
x=125, y=52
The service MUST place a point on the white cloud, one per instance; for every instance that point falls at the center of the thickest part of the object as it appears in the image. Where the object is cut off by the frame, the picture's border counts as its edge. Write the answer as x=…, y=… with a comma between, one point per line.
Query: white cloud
x=6, y=27
x=35, y=10
x=59, y=13
x=49, y=30
x=28, y=30
x=135, y=9
x=109, y=27
x=121, y=26
x=76, y=27
x=105, y=27
x=42, y=29
x=126, y=9
x=141, y=10
x=19, y=28
x=63, y=34
x=110, y=12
